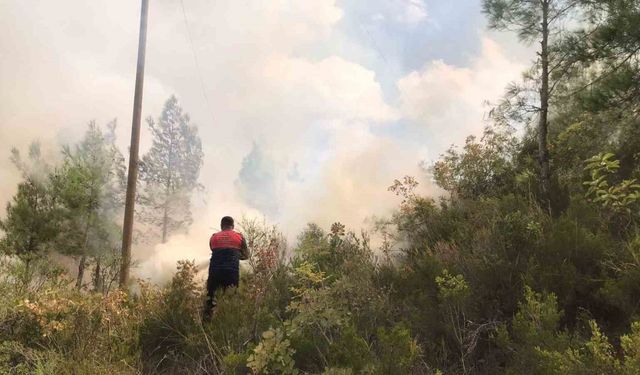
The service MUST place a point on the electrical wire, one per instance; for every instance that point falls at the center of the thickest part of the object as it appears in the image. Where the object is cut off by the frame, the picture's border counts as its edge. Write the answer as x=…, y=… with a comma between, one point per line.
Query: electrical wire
x=197, y=62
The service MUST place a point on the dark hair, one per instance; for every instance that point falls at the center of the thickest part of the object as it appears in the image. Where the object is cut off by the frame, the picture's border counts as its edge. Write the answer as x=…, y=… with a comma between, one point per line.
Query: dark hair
x=226, y=222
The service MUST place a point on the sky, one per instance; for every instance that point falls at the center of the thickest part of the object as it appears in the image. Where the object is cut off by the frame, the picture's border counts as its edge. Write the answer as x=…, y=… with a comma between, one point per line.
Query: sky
x=307, y=110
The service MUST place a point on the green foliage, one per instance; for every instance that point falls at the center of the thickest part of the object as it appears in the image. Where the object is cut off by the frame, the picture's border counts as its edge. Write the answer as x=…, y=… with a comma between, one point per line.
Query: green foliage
x=54, y=329
x=344, y=323
x=337, y=371
x=352, y=351
x=631, y=346
x=165, y=334
x=481, y=169
x=88, y=190
x=170, y=170
x=273, y=355
x=452, y=289
x=618, y=198
x=399, y=352
x=524, y=16
x=30, y=223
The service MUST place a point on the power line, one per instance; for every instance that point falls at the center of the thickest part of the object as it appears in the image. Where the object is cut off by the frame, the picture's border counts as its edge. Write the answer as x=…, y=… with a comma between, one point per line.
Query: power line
x=197, y=62
x=374, y=43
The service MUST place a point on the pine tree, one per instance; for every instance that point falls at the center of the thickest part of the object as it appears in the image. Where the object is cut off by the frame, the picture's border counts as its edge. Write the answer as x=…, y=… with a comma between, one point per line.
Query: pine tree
x=31, y=219
x=170, y=170
x=89, y=187
x=29, y=225
x=538, y=20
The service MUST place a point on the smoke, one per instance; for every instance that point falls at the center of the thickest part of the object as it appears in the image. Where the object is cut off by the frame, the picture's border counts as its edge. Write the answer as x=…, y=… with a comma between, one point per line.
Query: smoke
x=257, y=181
x=295, y=123
x=159, y=267
x=450, y=99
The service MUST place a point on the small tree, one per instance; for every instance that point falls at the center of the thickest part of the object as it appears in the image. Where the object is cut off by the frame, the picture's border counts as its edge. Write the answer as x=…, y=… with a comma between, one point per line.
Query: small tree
x=31, y=220
x=170, y=170
x=30, y=223
x=88, y=187
x=482, y=169
x=454, y=293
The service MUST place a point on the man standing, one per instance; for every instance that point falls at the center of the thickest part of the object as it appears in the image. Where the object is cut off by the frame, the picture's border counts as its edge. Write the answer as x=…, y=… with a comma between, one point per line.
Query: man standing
x=228, y=247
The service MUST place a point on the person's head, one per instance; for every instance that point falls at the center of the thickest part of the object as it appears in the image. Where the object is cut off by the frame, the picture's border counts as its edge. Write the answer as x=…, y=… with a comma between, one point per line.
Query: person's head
x=226, y=223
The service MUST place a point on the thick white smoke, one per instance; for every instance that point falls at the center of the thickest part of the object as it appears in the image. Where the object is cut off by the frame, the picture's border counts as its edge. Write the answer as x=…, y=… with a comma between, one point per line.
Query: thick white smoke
x=293, y=129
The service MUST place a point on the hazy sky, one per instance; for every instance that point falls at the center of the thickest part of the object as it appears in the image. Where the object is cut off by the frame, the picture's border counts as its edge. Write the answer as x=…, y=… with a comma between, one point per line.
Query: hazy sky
x=307, y=109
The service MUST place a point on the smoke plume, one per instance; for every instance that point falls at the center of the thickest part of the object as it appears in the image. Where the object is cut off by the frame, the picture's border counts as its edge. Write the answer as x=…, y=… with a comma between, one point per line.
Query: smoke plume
x=303, y=117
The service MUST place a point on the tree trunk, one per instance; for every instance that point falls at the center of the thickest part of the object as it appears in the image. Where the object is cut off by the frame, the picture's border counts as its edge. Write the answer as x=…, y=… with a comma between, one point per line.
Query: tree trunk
x=543, y=122
x=81, y=265
x=165, y=219
x=165, y=214
x=97, y=278
x=27, y=273
x=83, y=259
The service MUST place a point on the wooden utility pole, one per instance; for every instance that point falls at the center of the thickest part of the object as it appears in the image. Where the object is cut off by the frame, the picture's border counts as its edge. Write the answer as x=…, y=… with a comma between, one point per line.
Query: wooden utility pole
x=127, y=228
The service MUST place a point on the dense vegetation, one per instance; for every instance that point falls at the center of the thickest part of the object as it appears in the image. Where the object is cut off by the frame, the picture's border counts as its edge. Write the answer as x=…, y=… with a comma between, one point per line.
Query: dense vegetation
x=528, y=264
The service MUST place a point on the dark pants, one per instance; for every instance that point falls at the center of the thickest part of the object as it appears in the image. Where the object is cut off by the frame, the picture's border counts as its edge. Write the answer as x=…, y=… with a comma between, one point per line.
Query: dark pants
x=219, y=279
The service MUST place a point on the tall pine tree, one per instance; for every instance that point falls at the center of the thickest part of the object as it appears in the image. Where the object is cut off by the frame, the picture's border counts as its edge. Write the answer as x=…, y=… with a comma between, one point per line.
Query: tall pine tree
x=538, y=20
x=170, y=170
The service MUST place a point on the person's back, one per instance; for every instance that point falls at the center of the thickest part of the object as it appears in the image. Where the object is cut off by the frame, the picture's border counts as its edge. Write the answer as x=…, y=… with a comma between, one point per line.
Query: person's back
x=227, y=249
